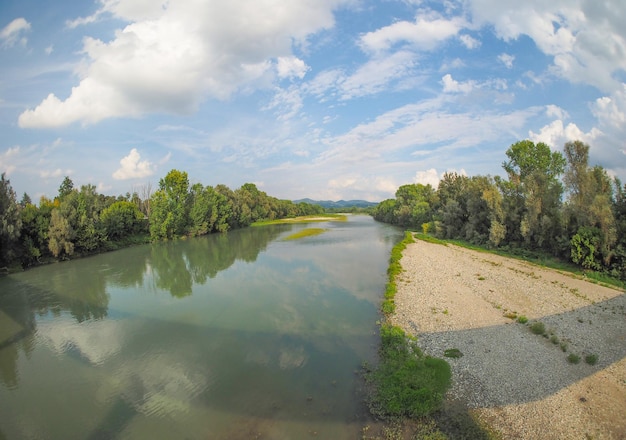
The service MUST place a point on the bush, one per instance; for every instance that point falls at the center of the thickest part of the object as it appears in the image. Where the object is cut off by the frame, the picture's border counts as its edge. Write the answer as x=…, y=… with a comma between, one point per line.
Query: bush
x=522, y=319
x=538, y=328
x=573, y=358
x=591, y=359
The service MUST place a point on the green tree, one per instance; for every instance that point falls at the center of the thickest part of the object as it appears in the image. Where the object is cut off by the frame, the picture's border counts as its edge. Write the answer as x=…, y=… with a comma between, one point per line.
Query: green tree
x=10, y=222
x=60, y=235
x=169, y=206
x=121, y=219
x=590, y=203
x=534, y=172
x=66, y=187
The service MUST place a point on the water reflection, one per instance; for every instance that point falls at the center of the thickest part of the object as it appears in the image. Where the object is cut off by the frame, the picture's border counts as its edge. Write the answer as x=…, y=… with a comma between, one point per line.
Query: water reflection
x=225, y=336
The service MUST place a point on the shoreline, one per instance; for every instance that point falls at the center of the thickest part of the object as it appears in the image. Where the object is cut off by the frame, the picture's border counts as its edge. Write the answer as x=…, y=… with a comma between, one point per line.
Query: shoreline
x=519, y=383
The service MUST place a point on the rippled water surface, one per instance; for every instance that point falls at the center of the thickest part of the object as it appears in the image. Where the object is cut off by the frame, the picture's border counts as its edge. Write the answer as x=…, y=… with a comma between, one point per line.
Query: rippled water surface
x=230, y=336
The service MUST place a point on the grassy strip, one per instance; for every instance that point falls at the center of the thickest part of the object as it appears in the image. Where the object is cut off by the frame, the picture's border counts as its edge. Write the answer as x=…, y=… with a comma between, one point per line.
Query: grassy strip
x=406, y=383
x=394, y=269
x=306, y=233
x=304, y=219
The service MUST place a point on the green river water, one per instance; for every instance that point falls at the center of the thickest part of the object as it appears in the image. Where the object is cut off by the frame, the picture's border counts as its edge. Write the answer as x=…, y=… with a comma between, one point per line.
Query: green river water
x=229, y=336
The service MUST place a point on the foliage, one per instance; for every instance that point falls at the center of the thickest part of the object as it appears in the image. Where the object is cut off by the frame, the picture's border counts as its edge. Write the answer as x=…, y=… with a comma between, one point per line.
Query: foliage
x=406, y=383
x=305, y=233
x=591, y=359
x=580, y=219
x=79, y=221
x=10, y=222
x=573, y=358
x=538, y=328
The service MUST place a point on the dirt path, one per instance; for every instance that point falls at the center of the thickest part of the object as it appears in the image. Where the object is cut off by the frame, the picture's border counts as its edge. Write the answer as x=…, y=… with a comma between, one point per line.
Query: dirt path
x=520, y=383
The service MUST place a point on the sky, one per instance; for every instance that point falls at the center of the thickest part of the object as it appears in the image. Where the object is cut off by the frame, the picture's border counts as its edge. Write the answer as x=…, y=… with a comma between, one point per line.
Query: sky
x=327, y=99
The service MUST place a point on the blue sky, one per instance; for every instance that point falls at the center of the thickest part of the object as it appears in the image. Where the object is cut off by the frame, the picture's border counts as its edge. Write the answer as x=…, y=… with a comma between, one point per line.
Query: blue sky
x=328, y=99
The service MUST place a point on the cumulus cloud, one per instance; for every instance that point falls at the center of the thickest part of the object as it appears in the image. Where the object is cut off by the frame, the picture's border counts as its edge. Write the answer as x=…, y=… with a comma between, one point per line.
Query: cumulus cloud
x=13, y=33
x=556, y=134
x=585, y=38
x=428, y=177
x=132, y=167
x=452, y=86
x=170, y=57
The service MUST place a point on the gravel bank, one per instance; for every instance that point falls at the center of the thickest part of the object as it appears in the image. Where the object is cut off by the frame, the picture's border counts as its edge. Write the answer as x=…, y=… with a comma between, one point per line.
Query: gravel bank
x=519, y=382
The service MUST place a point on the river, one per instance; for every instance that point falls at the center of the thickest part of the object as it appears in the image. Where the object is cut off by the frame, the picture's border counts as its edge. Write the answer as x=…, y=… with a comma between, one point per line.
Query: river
x=228, y=336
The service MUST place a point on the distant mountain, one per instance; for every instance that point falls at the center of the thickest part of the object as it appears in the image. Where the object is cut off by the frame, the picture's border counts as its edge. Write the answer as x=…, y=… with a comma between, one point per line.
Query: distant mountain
x=328, y=204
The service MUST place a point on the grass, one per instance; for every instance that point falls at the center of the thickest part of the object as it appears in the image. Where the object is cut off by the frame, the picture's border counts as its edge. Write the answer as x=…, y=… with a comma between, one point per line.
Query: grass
x=304, y=219
x=453, y=353
x=538, y=328
x=305, y=233
x=407, y=383
x=394, y=269
x=591, y=359
x=573, y=358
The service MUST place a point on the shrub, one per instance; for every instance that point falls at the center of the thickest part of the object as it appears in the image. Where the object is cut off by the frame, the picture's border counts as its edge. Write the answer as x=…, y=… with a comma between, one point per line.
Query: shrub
x=573, y=358
x=538, y=328
x=522, y=319
x=453, y=353
x=591, y=359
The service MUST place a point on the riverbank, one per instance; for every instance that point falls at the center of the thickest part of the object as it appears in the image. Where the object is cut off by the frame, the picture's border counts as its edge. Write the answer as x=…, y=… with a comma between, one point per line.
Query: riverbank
x=521, y=384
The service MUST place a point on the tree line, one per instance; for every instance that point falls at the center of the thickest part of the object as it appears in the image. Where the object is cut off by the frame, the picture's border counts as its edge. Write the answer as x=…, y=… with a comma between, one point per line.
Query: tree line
x=550, y=201
x=79, y=221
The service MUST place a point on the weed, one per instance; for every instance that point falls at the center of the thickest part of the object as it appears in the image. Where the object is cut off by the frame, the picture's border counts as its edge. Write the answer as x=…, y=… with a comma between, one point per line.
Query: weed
x=522, y=319
x=554, y=339
x=538, y=328
x=445, y=312
x=563, y=346
x=573, y=358
x=591, y=359
x=454, y=353
x=511, y=315
x=481, y=278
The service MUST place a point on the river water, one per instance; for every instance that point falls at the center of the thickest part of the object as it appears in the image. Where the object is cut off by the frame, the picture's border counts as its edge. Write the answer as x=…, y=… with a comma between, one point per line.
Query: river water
x=229, y=336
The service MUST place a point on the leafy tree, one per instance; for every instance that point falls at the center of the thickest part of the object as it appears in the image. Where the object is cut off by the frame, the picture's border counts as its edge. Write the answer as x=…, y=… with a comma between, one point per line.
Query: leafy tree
x=60, y=235
x=10, y=222
x=169, y=206
x=121, y=219
x=66, y=187
x=534, y=172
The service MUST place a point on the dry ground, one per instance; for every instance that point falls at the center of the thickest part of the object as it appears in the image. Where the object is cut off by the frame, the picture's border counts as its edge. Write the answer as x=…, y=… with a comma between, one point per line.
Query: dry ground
x=519, y=383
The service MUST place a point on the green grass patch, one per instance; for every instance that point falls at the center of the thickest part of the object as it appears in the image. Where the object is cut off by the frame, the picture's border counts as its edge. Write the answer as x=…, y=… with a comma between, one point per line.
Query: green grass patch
x=538, y=328
x=406, y=383
x=573, y=358
x=453, y=353
x=304, y=219
x=309, y=232
x=591, y=359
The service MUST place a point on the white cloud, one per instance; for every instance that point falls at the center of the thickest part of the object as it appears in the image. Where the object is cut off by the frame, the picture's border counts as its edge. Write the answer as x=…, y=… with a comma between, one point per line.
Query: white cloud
x=12, y=33
x=173, y=56
x=132, y=167
x=556, y=134
x=586, y=38
x=507, y=60
x=426, y=33
x=428, y=177
x=289, y=67
x=469, y=42
x=452, y=86
x=556, y=112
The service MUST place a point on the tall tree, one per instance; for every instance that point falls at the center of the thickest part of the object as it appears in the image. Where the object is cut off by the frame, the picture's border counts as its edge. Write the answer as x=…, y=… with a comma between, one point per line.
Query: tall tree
x=534, y=172
x=66, y=187
x=10, y=222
